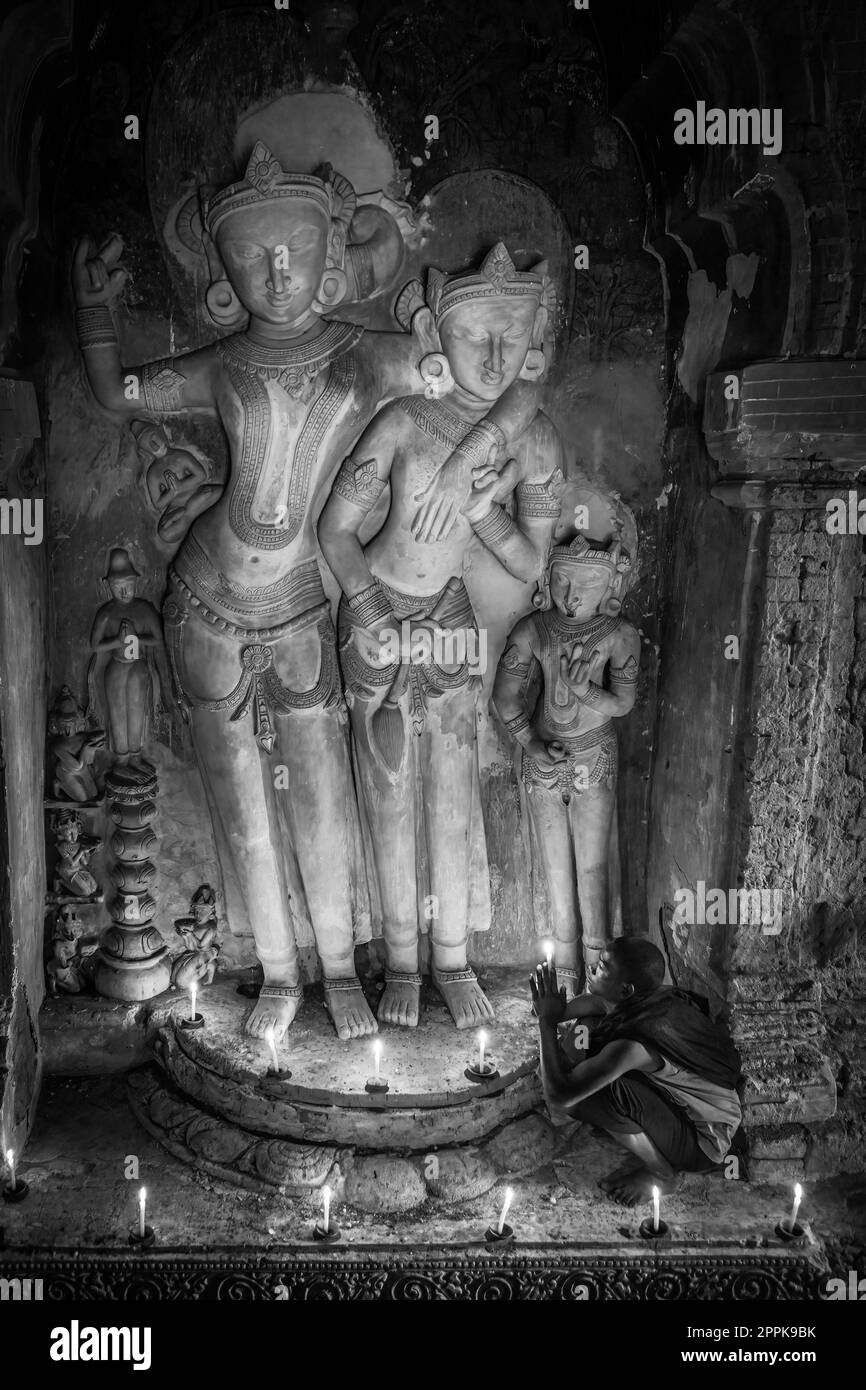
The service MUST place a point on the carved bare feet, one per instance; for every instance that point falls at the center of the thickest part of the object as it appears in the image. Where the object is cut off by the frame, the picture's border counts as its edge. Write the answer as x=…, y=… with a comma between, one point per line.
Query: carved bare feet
x=466, y=1000
x=349, y=1010
x=275, y=1008
x=635, y=1185
x=400, y=1002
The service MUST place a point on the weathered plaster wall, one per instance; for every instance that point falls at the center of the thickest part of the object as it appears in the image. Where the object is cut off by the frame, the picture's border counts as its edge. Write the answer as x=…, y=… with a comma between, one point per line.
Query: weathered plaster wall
x=22, y=846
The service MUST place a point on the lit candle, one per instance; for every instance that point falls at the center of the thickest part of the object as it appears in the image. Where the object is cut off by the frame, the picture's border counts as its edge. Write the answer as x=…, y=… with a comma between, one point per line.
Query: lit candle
x=509, y=1198
x=193, y=991
x=377, y=1057
x=656, y=1196
x=272, y=1044
x=798, y=1197
x=142, y=1198
x=548, y=952
x=326, y=1200
x=10, y=1159
x=482, y=1043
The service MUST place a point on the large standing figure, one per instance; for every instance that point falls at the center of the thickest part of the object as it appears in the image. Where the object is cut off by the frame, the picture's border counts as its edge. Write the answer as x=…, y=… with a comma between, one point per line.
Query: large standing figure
x=551, y=692
x=414, y=718
x=247, y=623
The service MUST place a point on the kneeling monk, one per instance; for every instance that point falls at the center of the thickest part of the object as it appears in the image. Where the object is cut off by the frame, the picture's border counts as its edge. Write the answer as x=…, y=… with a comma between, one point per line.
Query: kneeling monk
x=658, y=1074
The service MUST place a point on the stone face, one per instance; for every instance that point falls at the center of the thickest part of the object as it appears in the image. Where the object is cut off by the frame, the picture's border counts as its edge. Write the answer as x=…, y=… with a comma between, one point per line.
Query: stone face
x=383, y=1183
x=456, y=1175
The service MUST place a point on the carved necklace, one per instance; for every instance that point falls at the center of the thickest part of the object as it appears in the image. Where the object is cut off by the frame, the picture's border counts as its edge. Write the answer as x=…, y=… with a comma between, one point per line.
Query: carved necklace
x=295, y=368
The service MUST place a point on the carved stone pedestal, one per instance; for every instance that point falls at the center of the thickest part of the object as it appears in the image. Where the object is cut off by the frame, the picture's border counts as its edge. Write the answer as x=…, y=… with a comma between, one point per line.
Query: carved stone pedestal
x=133, y=958
x=217, y=1103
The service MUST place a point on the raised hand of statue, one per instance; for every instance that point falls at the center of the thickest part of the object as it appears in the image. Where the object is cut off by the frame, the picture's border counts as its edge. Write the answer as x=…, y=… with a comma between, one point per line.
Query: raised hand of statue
x=578, y=674
x=97, y=276
x=489, y=486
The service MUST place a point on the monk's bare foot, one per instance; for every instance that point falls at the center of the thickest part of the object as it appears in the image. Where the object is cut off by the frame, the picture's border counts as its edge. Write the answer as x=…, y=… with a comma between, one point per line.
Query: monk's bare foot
x=349, y=1010
x=400, y=1002
x=631, y=1165
x=637, y=1186
x=466, y=1000
x=275, y=1008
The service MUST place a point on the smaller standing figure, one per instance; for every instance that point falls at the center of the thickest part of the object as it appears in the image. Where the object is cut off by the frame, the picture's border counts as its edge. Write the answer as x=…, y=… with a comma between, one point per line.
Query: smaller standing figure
x=68, y=969
x=72, y=748
x=177, y=482
x=197, y=964
x=551, y=693
x=126, y=632
x=72, y=874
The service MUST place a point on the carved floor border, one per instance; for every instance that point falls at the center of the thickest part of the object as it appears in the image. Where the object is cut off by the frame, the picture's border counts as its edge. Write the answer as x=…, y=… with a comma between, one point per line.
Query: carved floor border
x=422, y=1273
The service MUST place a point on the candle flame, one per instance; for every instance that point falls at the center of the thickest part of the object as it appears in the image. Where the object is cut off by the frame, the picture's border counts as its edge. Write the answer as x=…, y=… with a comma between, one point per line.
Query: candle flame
x=142, y=1195
x=482, y=1038
x=269, y=1034
x=547, y=947
x=377, y=1049
x=656, y=1194
x=326, y=1194
x=798, y=1191
x=10, y=1155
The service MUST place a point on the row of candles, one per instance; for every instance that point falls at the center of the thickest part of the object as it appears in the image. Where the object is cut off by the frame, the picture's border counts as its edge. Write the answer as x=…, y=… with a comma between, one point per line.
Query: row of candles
x=787, y=1228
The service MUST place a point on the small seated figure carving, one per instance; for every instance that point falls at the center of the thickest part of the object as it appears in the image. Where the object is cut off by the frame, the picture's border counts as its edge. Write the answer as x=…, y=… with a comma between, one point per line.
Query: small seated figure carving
x=72, y=749
x=197, y=964
x=68, y=968
x=72, y=874
x=177, y=482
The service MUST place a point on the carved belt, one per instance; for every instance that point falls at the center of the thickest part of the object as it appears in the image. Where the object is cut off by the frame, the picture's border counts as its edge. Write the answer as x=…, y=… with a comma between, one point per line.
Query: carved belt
x=425, y=680
x=570, y=776
x=296, y=592
x=259, y=691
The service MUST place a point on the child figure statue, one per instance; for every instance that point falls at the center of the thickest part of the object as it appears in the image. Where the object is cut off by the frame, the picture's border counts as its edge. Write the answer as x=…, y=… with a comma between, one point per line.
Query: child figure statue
x=550, y=692
x=414, y=713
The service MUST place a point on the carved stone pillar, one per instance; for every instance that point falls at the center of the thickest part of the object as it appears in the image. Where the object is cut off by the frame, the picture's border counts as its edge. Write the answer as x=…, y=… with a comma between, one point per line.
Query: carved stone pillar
x=133, y=958
x=787, y=436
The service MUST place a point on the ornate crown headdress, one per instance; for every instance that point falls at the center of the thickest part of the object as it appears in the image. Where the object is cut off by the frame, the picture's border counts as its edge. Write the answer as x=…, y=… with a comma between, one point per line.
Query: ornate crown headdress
x=266, y=181
x=497, y=275
x=583, y=551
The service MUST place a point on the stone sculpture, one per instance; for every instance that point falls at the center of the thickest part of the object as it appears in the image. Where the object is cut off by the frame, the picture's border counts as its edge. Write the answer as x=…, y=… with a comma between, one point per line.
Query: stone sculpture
x=414, y=714
x=551, y=694
x=72, y=873
x=248, y=627
x=72, y=750
x=197, y=963
x=69, y=966
x=177, y=482
x=122, y=674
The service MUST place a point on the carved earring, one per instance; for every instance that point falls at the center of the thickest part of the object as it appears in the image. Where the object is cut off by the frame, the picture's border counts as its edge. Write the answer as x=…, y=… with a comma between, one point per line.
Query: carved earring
x=333, y=288
x=610, y=607
x=223, y=305
x=533, y=365
x=436, y=375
